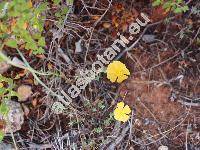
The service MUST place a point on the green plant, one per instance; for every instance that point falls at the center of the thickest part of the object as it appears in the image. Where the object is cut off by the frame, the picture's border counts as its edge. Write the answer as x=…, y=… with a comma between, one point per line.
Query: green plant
x=63, y=10
x=1, y=135
x=6, y=92
x=176, y=6
x=21, y=25
x=195, y=10
x=98, y=130
x=61, y=14
x=108, y=121
x=6, y=89
x=101, y=105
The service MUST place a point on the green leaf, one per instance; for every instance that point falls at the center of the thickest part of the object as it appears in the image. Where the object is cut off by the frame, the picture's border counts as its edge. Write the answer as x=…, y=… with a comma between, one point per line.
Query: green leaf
x=58, y=14
x=179, y=1
x=12, y=43
x=185, y=8
x=178, y=10
x=1, y=135
x=41, y=41
x=13, y=93
x=4, y=36
x=4, y=109
x=56, y=2
x=3, y=27
x=167, y=5
x=36, y=36
x=38, y=51
x=65, y=11
x=157, y=3
x=20, y=23
x=2, y=91
x=41, y=8
x=31, y=46
x=71, y=2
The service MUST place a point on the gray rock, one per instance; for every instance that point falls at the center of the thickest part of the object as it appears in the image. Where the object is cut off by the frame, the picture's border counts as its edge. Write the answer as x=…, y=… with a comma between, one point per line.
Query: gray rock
x=149, y=38
x=5, y=146
x=15, y=117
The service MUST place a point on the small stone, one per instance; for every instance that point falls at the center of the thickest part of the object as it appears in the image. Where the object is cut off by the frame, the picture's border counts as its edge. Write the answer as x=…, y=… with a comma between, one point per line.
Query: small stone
x=163, y=147
x=149, y=38
x=5, y=146
x=106, y=25
x=78, y=46
x=15, y=117
x=4, y=67
x=24, y=92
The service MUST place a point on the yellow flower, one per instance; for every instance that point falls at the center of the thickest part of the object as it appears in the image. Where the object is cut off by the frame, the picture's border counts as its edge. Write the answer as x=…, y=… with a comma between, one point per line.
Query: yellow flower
x=121, y=113
x=117, y=72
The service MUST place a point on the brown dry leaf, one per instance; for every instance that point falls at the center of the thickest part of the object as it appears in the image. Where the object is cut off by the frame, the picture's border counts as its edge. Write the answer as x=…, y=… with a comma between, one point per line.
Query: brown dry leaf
x=30, y=5
x=30, y=52
x=25, y=25
x=29, y=81
x=41, y=56
x=13, y=23
x=124, y=27
x=106, y=25
x=49, y=66
x=118, y=7
x=115, y=21
x=21, y=74
x=95, y=17
x=159, y=14
x=4, y=67
x=22, y=46
x=26, y=110
x=24, y=92
x=34, y=102
x=2, y=124
x=189, y=21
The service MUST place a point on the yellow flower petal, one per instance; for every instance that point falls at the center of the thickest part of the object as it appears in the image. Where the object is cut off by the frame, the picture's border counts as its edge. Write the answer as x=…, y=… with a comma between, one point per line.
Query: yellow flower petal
x=125, y=118
x=122, y=78
x=121, y=112
x=117, y=114
x=127, y=110
x=120, y=105
x=117, y=71
x=111, y=77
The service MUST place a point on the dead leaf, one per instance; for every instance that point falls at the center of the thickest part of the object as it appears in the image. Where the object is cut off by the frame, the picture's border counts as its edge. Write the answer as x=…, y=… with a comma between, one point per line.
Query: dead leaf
x=4, y=67
x=106, y=25
x=49, y=66
x=24, y=92
x=95, y=17
x=41, y=56
x=26, y=110
x=115, y=21
x=159, y=14
x=25, y=25
x=34, y=102
x=21, y=74
x=118, y=7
